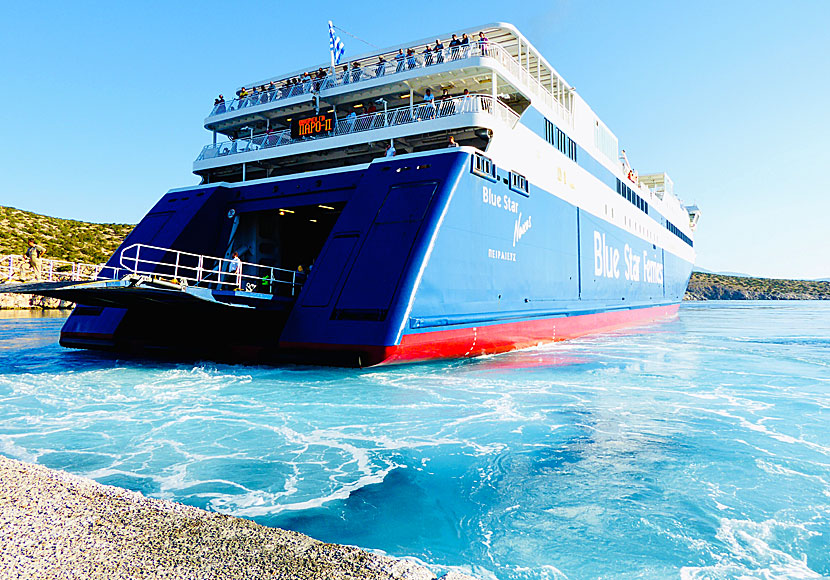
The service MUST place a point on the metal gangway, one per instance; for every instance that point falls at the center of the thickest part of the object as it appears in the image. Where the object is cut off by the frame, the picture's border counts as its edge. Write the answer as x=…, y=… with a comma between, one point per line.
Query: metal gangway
x=185, y=269
x=165, y=266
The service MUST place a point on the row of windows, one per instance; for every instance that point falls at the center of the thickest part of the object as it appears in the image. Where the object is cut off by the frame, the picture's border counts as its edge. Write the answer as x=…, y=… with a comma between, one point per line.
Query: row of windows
x=673, y=229
x=483, y=166
x=632, y=196
x=556, y=137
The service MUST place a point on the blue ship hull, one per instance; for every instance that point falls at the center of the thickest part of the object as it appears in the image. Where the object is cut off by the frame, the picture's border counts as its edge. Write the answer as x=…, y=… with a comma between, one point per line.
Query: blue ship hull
x=426, y=259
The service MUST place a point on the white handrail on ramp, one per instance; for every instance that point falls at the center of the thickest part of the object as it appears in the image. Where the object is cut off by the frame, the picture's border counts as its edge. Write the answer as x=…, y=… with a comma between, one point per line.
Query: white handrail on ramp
x=189, y=269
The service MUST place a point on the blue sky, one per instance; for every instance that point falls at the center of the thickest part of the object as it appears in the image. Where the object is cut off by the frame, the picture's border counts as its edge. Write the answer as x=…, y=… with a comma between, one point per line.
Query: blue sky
x=104, y=101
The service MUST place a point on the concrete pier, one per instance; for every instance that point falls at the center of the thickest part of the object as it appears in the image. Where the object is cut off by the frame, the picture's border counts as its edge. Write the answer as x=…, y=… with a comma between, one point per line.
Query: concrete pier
x=57, y=525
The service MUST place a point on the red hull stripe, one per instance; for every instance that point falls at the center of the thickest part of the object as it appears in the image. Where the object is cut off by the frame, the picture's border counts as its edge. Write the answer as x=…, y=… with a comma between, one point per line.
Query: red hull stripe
x=496, y=338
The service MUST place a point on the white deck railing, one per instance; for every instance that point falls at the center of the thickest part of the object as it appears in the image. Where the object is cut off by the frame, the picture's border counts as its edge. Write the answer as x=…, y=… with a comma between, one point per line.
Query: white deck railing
x=421, y=112
x=189, y=269
x=17, y=267
x=394, y=64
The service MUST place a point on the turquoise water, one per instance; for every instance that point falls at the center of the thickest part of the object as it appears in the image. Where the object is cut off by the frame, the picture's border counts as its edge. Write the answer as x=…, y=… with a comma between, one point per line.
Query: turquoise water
x=698, y=448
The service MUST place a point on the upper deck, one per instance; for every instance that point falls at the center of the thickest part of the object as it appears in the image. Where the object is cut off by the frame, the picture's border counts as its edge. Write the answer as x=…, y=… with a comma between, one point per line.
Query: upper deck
x=383, y=96
x=522, y=68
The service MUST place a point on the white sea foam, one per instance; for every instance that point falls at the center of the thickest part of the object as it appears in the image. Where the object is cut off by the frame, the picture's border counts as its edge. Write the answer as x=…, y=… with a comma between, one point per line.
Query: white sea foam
x=753, y=551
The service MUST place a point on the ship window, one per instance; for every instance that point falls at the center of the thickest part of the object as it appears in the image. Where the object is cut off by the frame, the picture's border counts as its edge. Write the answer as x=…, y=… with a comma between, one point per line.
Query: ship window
x=632, y=196
x=556, y=137
x=484, y=167
x=676, y=231
x=518, y=183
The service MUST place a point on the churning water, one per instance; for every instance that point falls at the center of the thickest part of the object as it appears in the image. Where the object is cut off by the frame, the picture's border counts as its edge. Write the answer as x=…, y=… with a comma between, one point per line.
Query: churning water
x=697, y=448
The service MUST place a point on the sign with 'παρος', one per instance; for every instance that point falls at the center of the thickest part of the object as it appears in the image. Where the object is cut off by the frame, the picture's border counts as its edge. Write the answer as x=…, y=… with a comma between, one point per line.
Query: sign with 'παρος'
x=312, y=126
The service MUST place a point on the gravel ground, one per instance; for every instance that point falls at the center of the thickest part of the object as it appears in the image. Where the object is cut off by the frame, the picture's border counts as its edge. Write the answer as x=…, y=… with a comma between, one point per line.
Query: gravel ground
x=57, y=525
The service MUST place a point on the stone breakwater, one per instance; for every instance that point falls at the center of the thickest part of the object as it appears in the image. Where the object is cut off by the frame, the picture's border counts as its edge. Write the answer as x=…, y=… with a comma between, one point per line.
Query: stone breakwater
x=18, y=301
x=18, y=267
x=57, y=525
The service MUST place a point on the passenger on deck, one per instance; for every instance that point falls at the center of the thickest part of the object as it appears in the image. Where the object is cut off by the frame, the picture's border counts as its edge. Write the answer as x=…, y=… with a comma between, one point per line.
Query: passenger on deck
x=242, y=95
x=345, y=74
x=410, y=58
x=467, y=102
x=356, y=71
x=465, y=45
x=390, y=150
x=428, y=107
x=264, y=97
x=483, y=43
x=427, y=56
x=296, y=87
x=219, y=105
x=399, y=58
x=439, y=51
x=447, y=105
x=451, y=142
x=371, y=108
x=454, y=47
x=350, y=120
x=319, y=79
x=270, y=137
x=380, y=67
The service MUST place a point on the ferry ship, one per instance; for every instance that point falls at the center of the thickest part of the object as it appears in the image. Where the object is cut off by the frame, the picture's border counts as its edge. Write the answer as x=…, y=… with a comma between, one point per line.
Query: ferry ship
x=348, y=216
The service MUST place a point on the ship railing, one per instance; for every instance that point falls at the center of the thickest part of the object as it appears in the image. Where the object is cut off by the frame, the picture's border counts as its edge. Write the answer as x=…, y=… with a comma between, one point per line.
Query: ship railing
x=16, y=267
x=188, y=269
x=421, y=112
x=394, y=64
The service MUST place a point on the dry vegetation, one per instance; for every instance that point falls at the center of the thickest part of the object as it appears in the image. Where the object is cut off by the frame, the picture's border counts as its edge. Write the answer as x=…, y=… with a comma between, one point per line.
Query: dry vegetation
x=69, y=240
x=719, y=287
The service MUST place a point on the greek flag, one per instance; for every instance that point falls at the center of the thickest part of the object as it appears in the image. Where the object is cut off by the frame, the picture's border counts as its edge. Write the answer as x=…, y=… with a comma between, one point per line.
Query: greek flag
x=336, y=45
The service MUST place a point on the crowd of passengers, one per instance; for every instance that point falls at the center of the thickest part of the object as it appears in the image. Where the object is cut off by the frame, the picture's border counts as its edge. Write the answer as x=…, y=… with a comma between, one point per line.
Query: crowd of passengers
x=430, y=107
x=315, y=80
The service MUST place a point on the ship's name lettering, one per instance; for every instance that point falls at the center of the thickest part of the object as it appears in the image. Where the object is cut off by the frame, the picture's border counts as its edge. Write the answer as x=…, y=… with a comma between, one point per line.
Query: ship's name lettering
x=500, y=255
x=606, y=258
x=607, y=263
x=500, y=201
x=520, y=228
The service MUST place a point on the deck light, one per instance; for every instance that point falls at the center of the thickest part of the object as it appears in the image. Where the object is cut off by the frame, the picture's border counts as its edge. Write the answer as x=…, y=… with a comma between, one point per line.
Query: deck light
x=325, y=206
x=285, y=211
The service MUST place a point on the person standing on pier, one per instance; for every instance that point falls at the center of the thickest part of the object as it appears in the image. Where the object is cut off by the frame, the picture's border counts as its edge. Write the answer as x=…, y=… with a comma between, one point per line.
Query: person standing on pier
x=35, y=253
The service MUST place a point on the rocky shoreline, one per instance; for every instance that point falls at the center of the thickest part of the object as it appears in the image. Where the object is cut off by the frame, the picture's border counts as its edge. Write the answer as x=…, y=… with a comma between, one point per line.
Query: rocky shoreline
x=705, y=286
x=57, y=525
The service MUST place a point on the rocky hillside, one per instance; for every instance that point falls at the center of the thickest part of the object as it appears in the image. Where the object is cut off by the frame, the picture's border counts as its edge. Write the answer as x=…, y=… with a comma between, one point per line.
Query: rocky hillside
x=69, y=240
x=718, y=287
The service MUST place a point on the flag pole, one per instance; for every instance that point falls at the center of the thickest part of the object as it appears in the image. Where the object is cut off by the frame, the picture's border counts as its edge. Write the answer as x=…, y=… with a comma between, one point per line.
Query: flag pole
x=331, y=49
